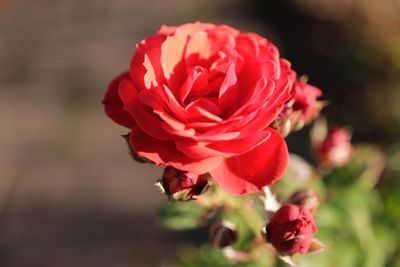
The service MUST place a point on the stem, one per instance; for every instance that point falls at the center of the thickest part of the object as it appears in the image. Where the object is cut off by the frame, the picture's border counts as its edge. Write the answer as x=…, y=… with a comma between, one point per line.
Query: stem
x=271, y=205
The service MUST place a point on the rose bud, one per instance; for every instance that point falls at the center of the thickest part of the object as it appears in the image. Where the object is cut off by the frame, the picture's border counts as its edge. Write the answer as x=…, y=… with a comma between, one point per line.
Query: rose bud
x=223, y=234
x=182, y=185
x=291, y=230
x=307, y=198
x=301, y=109
x=284, y=122
x=335, y=150
x=305, y=102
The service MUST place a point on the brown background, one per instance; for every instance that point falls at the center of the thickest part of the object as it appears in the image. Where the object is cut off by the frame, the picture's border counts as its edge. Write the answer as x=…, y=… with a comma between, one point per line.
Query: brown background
x=70, y=196
x=69, y=193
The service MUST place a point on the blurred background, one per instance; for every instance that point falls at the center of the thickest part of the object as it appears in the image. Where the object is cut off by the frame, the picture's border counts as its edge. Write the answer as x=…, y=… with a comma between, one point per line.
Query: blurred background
x=69, y=193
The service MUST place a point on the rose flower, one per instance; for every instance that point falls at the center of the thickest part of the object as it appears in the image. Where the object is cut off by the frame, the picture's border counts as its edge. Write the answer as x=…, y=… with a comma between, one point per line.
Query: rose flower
x=291, y=230
x=201, y=97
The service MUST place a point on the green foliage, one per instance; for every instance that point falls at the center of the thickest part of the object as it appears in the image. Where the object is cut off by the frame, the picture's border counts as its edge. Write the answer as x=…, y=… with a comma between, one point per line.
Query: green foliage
x=357, y=219
x=245, y=234
x=208, y=256
x=178, y=215
x=364, y=169
x=351, y=218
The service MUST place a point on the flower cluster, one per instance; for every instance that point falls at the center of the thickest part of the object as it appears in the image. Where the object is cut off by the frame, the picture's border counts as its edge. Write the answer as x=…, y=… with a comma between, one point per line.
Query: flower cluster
x=208, y=101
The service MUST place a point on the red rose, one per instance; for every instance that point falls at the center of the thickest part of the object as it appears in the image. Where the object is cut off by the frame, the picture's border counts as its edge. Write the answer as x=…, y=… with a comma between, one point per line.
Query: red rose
x=201, y=97
x=291, y=230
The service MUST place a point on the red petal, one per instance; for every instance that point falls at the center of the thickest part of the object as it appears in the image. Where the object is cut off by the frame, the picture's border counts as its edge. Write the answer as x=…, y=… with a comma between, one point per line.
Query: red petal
x=165, y=153
x=198, y=48
x=203, y=110
x=228, y=92
x=287, y=213
x=276, y=100
x=221, y=147
x=248, y=45
x=189, y=28
x=197, y=78
x=144, y=118
x=145, y=67
x=249, y=172
x=172, y=51
x=113, y=105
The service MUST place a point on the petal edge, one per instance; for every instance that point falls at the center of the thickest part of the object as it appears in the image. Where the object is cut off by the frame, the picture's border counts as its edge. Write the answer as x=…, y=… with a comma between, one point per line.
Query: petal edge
x=249, y=172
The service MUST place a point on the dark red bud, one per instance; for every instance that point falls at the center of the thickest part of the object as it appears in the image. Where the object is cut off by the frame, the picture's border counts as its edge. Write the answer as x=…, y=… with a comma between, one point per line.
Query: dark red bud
x=291, y=230
x=182, y=185
x=223, y=234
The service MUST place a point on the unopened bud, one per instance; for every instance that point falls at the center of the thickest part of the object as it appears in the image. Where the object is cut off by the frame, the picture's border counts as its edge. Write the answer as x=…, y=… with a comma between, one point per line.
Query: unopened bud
x=291, y=230
x=223, y=234
x=182, y=185
x=335, y=150
x=307, y=198
x=283, y=124
x=305, y=101
x=301, y=109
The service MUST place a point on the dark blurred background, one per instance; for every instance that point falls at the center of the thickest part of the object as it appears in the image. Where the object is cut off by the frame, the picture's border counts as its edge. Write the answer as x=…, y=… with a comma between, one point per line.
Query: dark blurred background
x=69, y=193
